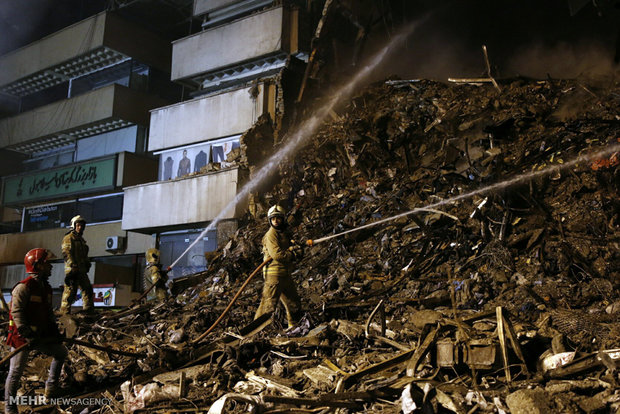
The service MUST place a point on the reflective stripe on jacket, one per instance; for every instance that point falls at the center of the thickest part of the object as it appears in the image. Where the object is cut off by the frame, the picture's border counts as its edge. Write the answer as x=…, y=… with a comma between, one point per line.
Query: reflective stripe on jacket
x=275, y=245
x=35, y=310
x=75, y=252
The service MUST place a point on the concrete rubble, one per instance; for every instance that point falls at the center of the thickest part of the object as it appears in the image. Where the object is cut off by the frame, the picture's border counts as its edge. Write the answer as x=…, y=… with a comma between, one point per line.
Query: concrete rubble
x=505, y=300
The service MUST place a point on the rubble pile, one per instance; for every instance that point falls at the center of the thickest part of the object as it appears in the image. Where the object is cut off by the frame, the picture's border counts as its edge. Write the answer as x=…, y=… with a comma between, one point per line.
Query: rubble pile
x=486, y=298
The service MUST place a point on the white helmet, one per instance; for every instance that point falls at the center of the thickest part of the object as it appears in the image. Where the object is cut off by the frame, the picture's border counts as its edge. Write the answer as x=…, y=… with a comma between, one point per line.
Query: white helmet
x=275, y=211
x=77, y=219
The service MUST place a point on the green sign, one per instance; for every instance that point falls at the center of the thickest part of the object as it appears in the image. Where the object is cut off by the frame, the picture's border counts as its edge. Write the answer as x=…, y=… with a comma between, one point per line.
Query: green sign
x=74, y=179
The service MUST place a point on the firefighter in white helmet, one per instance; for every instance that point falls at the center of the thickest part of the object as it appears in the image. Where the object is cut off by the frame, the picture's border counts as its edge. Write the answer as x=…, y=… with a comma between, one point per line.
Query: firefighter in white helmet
x=279, y=284
x=154, y=275
x=77, y=265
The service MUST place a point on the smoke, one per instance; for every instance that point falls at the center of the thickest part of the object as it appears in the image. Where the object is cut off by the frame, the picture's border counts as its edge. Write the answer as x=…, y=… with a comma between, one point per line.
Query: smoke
x=523, y=38
x=21, y=22
x=25, y=21
x=565, y=60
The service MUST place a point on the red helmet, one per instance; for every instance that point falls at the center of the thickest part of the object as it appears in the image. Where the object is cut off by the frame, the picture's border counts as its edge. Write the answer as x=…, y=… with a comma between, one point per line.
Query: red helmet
x=34, y=256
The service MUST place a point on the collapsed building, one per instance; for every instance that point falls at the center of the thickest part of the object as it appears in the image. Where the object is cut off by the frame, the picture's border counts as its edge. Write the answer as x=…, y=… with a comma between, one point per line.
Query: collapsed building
x=473, y=265
x=503, y=300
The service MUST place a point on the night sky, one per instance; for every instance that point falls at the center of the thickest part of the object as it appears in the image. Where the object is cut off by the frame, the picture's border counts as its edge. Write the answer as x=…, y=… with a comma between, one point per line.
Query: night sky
x=525, y=37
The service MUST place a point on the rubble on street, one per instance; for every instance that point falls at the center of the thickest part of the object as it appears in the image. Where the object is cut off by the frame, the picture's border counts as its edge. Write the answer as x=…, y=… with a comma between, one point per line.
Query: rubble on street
x=502, y=300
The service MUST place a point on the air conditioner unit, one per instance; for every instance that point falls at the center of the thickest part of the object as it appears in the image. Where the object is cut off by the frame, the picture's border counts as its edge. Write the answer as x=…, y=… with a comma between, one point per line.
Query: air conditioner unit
x=114, y=243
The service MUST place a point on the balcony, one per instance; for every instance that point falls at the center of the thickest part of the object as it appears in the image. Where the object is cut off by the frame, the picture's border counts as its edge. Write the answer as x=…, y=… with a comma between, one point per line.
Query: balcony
x=57, y=124
x=190, y=201
x=272, y=34
x=82, y=48
x=184, y=123
x=222, y=10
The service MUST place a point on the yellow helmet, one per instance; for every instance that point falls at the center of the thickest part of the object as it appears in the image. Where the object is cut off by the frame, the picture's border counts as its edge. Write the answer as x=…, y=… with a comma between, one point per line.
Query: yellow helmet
x=152, y=255
x=276, y=211
x=77, y=219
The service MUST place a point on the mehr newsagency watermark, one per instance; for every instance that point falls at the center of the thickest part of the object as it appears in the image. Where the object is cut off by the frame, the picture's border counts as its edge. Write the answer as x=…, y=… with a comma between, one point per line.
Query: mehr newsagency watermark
x=33, y=400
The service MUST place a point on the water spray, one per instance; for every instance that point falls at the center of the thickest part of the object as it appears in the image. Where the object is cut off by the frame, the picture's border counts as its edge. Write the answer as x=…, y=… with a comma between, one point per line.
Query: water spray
x=306, y=130
x=493, y=187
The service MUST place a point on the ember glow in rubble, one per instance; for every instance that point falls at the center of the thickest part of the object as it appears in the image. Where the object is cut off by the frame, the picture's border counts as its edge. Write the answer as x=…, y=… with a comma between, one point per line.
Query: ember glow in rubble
x=465, y=258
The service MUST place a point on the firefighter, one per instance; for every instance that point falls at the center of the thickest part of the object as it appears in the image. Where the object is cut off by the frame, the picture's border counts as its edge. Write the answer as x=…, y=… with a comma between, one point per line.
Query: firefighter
x=154, y=275
x=77, y=265
x=277, y=274
x=31, y=321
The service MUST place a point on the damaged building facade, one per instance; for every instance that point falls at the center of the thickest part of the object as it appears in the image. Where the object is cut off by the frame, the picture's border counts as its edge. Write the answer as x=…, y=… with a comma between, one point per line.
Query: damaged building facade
x=142, y=137
x=463, y=233
x=73, y=134
x=237, y=69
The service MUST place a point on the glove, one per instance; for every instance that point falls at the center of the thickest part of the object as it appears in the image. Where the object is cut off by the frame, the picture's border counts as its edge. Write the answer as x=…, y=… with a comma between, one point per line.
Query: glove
x=164, y=274
x=26, y=332
x=297, y=251
x=55, y=335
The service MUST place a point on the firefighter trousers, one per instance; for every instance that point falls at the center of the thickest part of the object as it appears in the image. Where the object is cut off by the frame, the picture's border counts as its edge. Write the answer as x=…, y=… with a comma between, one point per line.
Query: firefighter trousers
x=18, y=363
x=70, y=293
x=280, y=287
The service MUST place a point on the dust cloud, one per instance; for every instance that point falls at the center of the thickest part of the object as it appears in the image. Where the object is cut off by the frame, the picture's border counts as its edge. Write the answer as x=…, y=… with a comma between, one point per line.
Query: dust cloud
x=523, y=38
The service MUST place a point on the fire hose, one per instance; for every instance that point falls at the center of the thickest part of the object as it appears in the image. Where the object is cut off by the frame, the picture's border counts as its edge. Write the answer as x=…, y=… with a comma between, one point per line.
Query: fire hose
x=146, y=292
x=309, y=242
x=75, y=342
x=241, y=289
x=234, y=299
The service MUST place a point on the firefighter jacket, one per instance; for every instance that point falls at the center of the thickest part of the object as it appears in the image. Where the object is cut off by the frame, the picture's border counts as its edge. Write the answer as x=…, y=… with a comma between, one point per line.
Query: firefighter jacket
x=275, y=245
x=75, y=253
x=154, y=274
x=31, y=305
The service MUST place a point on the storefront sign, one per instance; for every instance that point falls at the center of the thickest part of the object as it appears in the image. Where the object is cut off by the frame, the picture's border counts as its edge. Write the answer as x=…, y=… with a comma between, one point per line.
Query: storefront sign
x=107, y=295
x=78, y=178
x=48, y=217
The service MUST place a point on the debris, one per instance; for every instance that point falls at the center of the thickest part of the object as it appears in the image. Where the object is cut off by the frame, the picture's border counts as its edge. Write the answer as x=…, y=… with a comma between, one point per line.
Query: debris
x=502, y=300
x=526, y=401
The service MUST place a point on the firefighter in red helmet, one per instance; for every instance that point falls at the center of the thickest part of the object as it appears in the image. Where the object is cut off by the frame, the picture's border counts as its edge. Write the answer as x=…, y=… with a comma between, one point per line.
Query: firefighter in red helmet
x=31, y=321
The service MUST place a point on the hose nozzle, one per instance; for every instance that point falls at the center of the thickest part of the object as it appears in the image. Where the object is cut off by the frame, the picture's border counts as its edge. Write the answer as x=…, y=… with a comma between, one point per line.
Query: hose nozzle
x=310, y=242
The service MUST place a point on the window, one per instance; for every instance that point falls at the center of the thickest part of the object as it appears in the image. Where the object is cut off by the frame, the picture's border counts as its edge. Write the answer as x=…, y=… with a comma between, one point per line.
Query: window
x=221, y=150
x=50, y=159
x=183, y=161
x=128, y=73
x=112, y=142
x=193, y=158
x=101, y=209
x=94, y=210
x=173, y=245
x=48, y=216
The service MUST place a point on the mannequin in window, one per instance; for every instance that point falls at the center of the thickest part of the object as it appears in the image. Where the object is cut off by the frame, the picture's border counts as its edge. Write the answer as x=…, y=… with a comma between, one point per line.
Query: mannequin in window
x=168, y=168
x=200, y=161
x=185, y=165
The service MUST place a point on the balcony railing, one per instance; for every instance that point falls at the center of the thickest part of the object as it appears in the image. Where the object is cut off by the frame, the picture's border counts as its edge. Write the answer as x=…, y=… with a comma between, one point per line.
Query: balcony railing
x=55, y=125
x=273, y=32
x=187, y=201
x=209, y=117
